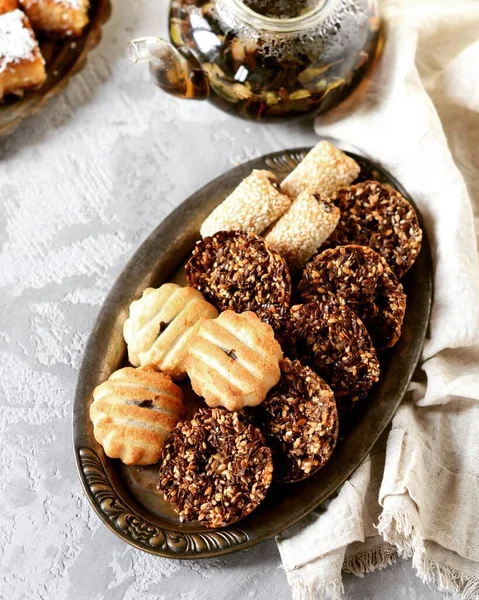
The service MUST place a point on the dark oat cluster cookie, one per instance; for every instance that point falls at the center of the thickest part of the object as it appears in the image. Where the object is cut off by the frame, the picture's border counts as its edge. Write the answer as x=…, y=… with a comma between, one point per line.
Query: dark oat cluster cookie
x=216, y=468
x=300, y=420
x=333, y=341
x=278, y=317
x=239, y=271
x=376, y=215
x=361, y=278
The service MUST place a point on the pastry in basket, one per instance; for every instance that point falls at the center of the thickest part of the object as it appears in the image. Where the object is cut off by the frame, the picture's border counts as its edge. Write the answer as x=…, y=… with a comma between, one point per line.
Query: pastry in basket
x=322, y=171
x=301, y=230
x=362, y=279
x=239, y=271
x=133, y=413
x=377, y=215
x=21, y=64
x=216, y=468
x=8, y=5
x=251, y=207
x=57, y=18
x=333, y=341
x=233, y=360
x=300, y=421
x=161, y=325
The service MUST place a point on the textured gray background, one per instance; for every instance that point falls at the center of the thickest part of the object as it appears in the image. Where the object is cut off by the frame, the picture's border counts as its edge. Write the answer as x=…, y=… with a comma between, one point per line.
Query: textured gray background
x=81, y=185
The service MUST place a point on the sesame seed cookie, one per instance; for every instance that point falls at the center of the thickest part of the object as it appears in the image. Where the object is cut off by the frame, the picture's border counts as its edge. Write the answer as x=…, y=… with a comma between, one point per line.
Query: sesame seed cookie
x=323, y=170
x=306, y=224
x=252, y=206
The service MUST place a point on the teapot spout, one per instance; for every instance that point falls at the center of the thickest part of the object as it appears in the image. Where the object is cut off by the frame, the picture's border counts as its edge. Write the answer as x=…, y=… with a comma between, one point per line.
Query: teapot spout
x=175, y=70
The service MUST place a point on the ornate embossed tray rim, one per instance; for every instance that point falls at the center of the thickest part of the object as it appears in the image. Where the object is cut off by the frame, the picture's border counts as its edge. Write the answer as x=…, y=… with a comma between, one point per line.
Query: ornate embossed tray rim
x=154, y=262
x=62, y=61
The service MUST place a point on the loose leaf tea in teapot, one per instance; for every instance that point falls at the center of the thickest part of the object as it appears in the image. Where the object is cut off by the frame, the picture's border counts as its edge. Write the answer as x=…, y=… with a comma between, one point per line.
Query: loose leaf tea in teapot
x=266, y=59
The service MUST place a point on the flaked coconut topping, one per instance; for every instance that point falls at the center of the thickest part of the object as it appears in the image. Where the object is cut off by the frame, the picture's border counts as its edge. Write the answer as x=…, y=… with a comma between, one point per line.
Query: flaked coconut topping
x=16, y=41
x=75, y=4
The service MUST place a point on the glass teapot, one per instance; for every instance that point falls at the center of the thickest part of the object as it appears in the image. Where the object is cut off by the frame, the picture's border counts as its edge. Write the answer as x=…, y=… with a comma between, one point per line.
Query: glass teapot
x=264, y=59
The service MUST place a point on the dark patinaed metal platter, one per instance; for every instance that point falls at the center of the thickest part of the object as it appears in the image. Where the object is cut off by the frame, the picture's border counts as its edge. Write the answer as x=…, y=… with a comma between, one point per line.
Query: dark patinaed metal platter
x=125, y=498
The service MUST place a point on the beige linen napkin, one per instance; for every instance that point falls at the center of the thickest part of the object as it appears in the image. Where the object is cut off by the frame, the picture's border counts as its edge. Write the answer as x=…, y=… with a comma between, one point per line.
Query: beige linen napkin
x=417, y=495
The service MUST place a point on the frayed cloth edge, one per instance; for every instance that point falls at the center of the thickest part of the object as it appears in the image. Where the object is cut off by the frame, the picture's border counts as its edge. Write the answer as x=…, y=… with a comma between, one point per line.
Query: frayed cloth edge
x=398, y=529
x=446, y=579
x=372, y=560
x=318, y=590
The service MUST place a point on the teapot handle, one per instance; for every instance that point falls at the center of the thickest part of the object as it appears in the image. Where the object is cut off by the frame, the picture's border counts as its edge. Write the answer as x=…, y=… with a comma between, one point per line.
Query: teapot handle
x=175, y=70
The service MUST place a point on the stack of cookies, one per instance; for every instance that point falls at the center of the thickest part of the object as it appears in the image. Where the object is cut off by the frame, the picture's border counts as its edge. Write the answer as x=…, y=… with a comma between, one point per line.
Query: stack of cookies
x=293, y=290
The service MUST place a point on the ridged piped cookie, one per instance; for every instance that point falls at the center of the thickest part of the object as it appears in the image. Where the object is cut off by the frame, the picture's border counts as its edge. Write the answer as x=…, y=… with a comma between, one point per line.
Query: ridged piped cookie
x=162, y=323
x=234, y=360
x=133, y=413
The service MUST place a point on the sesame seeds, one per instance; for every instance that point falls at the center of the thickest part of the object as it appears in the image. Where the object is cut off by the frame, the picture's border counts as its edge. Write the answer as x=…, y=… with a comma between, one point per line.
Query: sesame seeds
x=323, y=170
x=376, y=215
x=300, y=421
x=306, y=224
x=216, y=468
x=251, y=207
x=239, y=271
x=360, y=278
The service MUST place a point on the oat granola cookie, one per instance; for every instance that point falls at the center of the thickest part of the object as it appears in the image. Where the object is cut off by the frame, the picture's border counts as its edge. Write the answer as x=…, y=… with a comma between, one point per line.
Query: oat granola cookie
x=277, y=316
x=216, y=468
x=361, y=278
x=333, y=341
x=300, y=421
x=377, y=215
x=239, y=271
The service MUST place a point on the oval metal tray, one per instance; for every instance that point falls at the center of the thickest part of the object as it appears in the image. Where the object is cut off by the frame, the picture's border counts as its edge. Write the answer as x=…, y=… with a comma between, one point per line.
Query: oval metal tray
x=125, y=498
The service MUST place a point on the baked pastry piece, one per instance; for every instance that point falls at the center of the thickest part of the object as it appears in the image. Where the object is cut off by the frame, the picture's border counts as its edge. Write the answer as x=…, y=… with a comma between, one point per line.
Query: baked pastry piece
x=333, y=341
x=300, y=421
x=8, y=5
x=301, y=230
x=216, y=468
x=323, y=170
x=161, y=325
x=133, y=412
x=251, y=207
x=361, y=278
x=234, y=360
x=239, y=271
x=21, y=64
x=377, y=215
x=60, y=18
